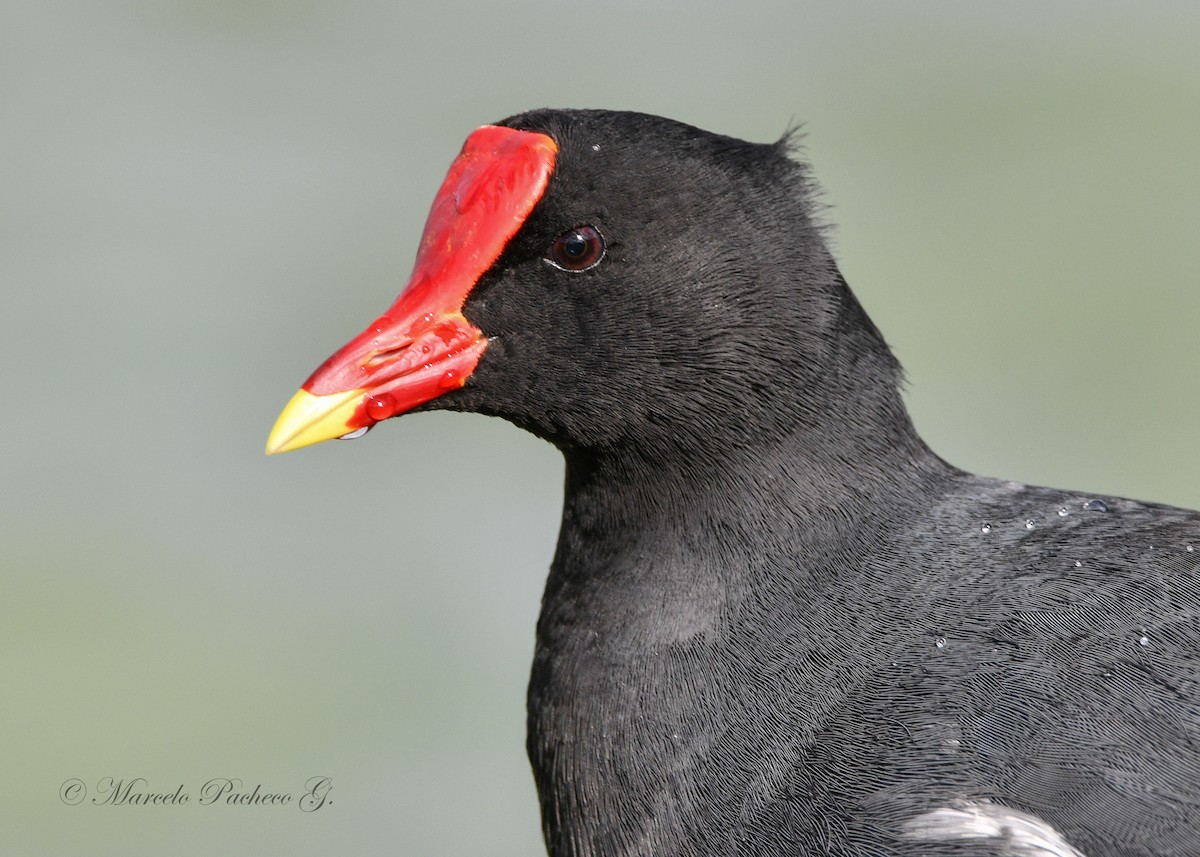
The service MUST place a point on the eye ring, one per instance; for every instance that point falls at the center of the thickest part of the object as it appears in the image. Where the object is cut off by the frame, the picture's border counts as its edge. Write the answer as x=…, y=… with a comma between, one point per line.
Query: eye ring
x=576, y=250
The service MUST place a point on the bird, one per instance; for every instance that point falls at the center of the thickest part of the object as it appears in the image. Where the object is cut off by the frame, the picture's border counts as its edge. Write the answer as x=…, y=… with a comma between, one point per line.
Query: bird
x=776, y=622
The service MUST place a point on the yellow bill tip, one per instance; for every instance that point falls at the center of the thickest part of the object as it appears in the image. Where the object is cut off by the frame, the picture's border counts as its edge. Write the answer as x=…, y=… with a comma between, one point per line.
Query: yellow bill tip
x=309, y=419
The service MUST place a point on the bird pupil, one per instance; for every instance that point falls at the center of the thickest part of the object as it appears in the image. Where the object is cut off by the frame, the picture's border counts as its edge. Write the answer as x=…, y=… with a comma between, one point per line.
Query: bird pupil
x=575, y=246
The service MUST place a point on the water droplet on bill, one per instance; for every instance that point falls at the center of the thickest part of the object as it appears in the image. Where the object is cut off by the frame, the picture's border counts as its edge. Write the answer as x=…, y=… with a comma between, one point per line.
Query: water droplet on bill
x=358, y=432
x=381, y=406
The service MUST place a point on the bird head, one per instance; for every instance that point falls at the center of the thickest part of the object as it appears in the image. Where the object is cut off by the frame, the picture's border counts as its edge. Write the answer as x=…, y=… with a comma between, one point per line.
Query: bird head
x=602, y=278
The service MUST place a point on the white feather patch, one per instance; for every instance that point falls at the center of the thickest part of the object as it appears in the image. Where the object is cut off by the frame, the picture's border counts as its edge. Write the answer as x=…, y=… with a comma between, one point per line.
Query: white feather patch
x=1026, y=835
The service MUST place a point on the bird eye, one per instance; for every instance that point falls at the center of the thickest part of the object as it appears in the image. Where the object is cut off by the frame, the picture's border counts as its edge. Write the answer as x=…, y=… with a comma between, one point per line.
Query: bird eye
x=577, y=249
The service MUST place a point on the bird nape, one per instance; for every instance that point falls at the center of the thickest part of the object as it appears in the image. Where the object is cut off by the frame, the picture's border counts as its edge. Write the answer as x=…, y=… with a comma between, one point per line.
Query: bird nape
x=776, y=622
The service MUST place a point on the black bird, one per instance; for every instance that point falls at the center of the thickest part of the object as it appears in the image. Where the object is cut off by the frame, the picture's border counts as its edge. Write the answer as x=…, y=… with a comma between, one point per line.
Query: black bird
x=776, y=622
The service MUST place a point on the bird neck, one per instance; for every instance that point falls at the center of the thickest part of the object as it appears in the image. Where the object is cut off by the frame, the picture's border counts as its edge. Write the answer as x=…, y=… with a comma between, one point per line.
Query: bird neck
x=835, y=470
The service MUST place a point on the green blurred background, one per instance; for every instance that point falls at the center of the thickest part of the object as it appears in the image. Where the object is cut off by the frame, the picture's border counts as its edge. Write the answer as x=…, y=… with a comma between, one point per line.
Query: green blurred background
x=201, y=200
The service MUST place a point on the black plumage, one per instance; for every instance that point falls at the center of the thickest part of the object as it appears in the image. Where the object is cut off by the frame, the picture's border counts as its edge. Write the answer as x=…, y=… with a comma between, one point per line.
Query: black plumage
x=776, y=622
